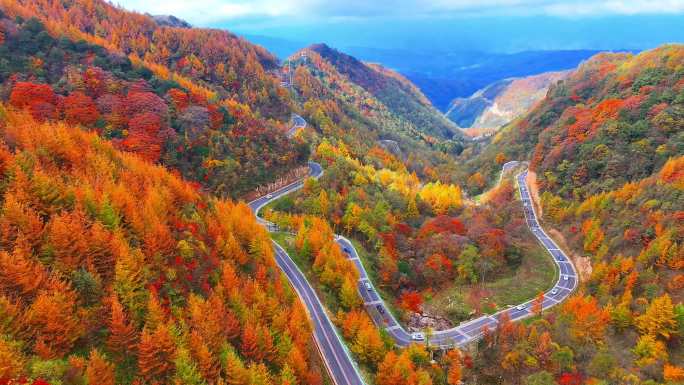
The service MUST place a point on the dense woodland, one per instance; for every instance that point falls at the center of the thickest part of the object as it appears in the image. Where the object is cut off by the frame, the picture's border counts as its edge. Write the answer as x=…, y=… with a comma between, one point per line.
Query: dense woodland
x=606, y=146
x=341, y=110
x=113, y=270
x=122, y=262
x=174, y=120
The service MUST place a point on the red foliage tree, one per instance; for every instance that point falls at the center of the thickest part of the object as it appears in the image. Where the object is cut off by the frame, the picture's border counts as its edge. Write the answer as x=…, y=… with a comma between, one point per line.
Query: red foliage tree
x=145, y=102
x=570, y=379
x=95, y=80
x=248, y=345
x=156, y=351
x=80, y=109
x=143, y=136
x=442, y=224
x=411, y=300
x=39, y=99
x=99, y=371
x=122, y=337
x=179, y=99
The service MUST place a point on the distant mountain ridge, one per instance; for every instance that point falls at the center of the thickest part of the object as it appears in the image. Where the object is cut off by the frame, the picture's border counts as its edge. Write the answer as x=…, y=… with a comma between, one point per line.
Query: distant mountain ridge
x=500, y=102
x=392, y=89
x=445, y=75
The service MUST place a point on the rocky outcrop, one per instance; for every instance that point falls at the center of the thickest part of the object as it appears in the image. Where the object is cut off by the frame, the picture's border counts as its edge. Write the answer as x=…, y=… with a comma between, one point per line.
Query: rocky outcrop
x=170, y=21
x=424, y=321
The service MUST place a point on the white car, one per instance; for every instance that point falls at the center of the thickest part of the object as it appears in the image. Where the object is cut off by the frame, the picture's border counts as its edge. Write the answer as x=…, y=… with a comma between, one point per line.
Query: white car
x=520, y=307
x=554, y=291
x=269, y=196
x=368, y=286
x=565, y=278
x=418, y=336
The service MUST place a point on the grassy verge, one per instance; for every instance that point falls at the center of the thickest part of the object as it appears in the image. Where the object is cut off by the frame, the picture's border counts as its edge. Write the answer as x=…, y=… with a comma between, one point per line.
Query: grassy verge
x=536, y=273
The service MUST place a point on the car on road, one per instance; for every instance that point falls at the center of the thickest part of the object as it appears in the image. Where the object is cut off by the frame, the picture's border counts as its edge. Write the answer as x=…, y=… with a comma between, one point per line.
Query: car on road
x=346, y=250
x=554, y=291
x=380, y=309
x=418, y=336
x=368, y=286
x=565, y=278
x=269, y=196
x=520, y=307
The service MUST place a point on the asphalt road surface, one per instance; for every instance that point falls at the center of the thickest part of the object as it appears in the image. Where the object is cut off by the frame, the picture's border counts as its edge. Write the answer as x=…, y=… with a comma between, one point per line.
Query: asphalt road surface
x=298, y=123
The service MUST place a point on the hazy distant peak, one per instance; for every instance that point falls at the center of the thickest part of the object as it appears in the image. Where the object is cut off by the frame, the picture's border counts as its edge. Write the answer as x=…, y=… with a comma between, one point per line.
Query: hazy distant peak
x=501, y=102
x=170, y=21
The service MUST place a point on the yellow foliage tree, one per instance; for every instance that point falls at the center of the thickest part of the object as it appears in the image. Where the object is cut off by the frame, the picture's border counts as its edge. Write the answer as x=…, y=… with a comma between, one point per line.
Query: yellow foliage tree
x=659, y=318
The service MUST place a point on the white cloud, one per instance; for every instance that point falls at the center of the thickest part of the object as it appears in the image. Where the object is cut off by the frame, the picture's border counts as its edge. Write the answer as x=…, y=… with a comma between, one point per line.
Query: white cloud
x=616, y=7
x=202, y=12
x=207, y=11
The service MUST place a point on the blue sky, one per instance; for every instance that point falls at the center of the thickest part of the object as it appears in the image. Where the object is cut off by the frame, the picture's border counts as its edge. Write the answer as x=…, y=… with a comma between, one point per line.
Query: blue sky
x=484, y=25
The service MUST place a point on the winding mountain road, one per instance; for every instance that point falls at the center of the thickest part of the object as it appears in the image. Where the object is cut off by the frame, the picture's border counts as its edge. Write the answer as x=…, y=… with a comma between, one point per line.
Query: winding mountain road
x=336, y=357
x=472, y=329
x=335, y=353
x=298, y=124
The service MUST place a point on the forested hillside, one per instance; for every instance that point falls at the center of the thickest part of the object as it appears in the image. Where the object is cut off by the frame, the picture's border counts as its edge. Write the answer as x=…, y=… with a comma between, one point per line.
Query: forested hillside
x=209, y=122
x=397, y=94
x=616, y=119
x=607, y=148
x=341, y=111
x=112, y=270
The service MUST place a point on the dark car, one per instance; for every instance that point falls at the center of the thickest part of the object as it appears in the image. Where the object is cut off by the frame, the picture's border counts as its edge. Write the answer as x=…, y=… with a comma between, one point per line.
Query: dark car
x=380, y=309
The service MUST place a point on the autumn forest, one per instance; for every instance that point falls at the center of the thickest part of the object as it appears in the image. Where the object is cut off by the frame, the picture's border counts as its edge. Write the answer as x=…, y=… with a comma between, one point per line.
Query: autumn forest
x=129, y=252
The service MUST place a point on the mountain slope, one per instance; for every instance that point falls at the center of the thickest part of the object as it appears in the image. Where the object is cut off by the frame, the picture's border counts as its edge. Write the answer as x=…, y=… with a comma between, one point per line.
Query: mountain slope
x=399, y=95
x=619, y=101
x=500, y=102
x=113, y=270
x=217, y=59
x=343, y=112
x=607, y=153
x=213, y=122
